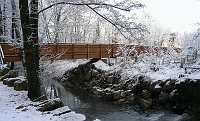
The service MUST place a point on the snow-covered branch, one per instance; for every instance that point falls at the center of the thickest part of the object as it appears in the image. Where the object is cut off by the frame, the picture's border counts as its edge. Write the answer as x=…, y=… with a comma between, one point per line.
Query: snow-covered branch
x=120, y=6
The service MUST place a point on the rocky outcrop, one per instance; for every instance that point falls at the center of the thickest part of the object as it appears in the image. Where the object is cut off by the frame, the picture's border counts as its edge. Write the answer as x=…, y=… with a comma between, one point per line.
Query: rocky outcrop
x=187, y=97
x=140, y=90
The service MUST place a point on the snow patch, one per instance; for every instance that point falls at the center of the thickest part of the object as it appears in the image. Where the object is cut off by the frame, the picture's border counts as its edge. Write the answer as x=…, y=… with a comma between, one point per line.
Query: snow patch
x=11, y=99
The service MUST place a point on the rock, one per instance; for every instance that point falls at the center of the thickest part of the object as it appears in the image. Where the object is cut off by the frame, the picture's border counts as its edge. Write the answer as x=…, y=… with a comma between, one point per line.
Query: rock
x=94, y=73
x=110, y=79
x=107, y=96
x=5, y=81
x=172, y=93
x=163, y=98
x=172, y=82
x=187, y=97
x=152, y=86
x=50, y=105
x=41, y=98
x=118, y=95
x=146, y=94
x=145, y=103
x=20, y=107
x=64, y=112
x=98, y=77
x=120, y=101
x=61, y=111
x=156, y=92
x=10, y=74
x=10, y=81
x=130, y=98
x=168, y=88
x=97, y=91
x=20, y=85
x=4, y=71
x=87, y=76
x=142, y=84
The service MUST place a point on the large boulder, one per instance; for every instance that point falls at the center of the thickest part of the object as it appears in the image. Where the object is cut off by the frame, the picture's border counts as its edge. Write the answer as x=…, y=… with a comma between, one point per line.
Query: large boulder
x=11, y=81
x=145, y=103
x=118, y=95
x=168, y=88
x=187, y=97
x=5, y=81
x=10, y=74
x=163, y=98
x=87, y=76
x=4, y=71
x=156, y=91
x=146, y=94
x=130, y=98
x=142, y=83
x=20, y=85
x=97, y=92
x=49, y=105
x=94, y=73
x=110, y=79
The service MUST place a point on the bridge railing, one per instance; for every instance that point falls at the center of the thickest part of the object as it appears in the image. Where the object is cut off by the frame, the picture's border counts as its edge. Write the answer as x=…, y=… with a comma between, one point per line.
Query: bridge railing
x=10, y=53
x=65, y=51
x=78, y=51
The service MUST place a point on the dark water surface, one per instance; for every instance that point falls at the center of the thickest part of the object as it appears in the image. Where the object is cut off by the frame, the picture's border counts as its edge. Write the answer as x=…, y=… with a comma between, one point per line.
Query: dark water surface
x=106, y=111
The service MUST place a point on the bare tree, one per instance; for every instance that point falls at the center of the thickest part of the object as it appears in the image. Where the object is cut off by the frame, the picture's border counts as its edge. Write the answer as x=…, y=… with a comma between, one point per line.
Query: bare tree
x=29, y=21
x=16, y=35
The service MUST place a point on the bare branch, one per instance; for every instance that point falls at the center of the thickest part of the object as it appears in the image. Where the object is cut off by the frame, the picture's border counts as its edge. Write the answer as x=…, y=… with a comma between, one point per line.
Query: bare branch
x=119, y=7
x=108, y=21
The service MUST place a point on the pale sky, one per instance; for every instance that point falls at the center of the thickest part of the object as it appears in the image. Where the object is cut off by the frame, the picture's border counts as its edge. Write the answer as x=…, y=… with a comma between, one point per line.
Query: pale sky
x=179, y=15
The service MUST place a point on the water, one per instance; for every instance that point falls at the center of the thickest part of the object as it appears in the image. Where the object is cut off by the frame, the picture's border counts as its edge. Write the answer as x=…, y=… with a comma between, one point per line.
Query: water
x=106, y=111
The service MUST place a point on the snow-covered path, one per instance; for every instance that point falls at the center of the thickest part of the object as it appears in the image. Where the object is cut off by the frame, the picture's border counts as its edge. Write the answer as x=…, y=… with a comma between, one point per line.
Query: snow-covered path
x=11, y=99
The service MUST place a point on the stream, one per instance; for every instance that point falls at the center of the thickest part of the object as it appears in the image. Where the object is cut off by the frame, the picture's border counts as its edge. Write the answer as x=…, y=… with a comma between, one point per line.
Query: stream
x=105, y=111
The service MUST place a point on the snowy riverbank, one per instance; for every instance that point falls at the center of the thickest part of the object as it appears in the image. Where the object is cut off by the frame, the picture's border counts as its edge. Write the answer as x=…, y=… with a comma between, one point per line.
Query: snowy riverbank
x=11, y=99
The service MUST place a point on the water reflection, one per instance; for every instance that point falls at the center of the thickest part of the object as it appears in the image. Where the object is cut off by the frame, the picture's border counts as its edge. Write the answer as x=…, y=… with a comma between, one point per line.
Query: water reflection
x=105, y=111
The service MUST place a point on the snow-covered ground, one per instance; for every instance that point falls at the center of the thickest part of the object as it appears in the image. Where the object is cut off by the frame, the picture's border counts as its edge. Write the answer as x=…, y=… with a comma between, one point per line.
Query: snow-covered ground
x=127, y=69
x=130, y=69
x=58, y=68
x=11, y=99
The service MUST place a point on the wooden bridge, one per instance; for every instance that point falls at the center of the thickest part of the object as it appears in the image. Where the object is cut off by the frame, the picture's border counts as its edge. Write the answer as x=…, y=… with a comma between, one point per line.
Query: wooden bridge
x=65, y=51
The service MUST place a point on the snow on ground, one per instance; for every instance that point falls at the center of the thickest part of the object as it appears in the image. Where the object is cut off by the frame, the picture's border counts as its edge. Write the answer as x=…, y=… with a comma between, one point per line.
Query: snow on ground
x=130, y=69
x=127, y=69
x=58, y=68
x=11, y=99
x=101, y=65
x=2, y=66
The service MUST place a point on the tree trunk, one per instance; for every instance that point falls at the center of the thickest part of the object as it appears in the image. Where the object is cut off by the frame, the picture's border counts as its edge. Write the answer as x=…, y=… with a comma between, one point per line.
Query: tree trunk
x=1, y=23
x=29, y=22
x=15, y=27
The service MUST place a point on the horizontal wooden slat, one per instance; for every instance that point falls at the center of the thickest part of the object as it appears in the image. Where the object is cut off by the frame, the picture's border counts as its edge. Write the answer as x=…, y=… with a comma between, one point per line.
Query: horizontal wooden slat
x=76, y=51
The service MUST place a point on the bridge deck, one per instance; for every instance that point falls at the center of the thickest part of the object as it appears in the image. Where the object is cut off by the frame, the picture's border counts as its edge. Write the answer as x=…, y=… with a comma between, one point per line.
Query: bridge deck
x=64, y=51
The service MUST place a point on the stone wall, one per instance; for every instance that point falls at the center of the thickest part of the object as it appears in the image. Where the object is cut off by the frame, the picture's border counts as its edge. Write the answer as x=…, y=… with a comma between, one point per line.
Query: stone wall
x=180, y=97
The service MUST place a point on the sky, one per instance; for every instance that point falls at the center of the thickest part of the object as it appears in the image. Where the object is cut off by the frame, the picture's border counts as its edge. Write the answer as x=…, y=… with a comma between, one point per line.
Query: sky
x=178, y=15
